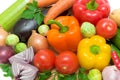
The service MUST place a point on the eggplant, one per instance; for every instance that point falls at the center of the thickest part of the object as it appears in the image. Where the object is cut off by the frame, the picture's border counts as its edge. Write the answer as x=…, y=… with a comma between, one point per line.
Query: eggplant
x=23, y=28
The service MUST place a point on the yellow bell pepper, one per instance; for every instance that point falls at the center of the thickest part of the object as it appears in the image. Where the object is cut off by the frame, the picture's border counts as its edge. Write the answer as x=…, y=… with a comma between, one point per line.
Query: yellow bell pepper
x=94, y=52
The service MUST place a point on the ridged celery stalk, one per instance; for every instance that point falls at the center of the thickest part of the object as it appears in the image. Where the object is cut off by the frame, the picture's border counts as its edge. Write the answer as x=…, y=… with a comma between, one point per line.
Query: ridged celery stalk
x=12, y=14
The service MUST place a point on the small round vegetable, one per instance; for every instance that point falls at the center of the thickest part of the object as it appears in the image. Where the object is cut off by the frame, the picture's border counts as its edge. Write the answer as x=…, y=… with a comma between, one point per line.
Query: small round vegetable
x=44, y=59
x=88, y=29
x=19, y=47
x=66, y=62
x=106, y=27
x=5, y=53
x=43, y=29
x=37, y=41
x=12, y=39
x=94, y=74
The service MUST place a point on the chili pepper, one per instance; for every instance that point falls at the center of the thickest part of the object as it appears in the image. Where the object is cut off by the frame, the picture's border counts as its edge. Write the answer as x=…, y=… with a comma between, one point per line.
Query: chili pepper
x=94, y=52
x=91, y=10
x=115, y=59
x=64, y=34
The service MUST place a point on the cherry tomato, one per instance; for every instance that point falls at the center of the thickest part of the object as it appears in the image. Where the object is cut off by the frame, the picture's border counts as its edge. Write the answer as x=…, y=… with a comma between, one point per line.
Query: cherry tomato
x=106, y=27
x=44, y=60
x=66, y=62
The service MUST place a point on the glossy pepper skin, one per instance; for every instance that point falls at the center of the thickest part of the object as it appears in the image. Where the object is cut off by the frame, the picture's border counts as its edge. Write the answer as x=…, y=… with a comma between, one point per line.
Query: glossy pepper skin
x=91, y=10
x=94, y=53
x=65, y=37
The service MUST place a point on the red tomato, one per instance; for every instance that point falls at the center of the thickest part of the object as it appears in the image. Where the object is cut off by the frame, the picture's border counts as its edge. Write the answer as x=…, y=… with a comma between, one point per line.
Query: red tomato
x=106, y=27
x=44, y=59
x=66, y=62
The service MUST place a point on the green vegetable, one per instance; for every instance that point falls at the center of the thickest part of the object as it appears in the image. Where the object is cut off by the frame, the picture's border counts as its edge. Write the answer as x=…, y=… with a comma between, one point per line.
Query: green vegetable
x=12, y=14
x=114, y=48
x=12, y=39
x=82, y=75
x=20, y=47
x=94, y=74
x=7, y=69
x=33, y=12
x=116, y=39
x=88, y=29
x=43, y=29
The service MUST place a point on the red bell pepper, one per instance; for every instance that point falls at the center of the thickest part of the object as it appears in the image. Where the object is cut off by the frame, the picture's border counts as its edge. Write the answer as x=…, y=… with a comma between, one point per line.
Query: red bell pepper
x=91, y=10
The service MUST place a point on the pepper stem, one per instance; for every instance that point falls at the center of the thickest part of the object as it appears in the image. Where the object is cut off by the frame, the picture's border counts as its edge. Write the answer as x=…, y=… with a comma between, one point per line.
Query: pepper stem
x=63, y=28
x=92, y=5
x=95, y=49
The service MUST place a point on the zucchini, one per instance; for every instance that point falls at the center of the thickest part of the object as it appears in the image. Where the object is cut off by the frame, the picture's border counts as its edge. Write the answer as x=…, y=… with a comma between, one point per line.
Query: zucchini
x=114, y=48
x=12, y=14
x=116, y=39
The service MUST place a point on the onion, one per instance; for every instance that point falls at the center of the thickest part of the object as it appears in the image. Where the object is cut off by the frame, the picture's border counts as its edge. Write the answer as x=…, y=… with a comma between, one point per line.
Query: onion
x=5, y=53
x=3, y=35
x=37, y=41
x=23, y=71
x=26, y=56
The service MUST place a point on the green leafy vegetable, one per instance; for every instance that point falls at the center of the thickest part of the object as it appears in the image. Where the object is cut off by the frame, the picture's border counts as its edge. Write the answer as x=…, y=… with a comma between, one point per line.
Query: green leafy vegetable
x=7, y=69
x=82, y=75
x=45, y=75
x=33, y=12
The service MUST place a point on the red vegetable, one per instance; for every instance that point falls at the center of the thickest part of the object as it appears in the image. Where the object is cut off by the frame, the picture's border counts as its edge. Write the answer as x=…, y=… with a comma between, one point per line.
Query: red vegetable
x=66, y=62
x=91, y=10
x=116, y=59
x=44, y=59
x=106, y=27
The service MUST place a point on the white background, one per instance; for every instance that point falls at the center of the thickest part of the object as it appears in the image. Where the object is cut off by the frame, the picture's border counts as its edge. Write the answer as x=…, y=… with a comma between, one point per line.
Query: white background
x=4, y=4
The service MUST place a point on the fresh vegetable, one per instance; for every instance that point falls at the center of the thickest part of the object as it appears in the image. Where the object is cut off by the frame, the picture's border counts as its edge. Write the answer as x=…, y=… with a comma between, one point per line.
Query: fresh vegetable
x=91, y=10
x=116, y=59
x=23, y=71
x=5, y=53
x=3, y=35
x=19, y=47
x=114, y=48
x=37, y=41
x=44, y=3
x=12, y=14
x=44, y=60
x=12, y=39
x=94, y=53
x=23, y=28
x=6, y=68
x=106, y=27
x=114, y=15
x=25, y=57
x=87, y=29
x=116, y=39
x=43, y=29
x=33, y=12
x=94, y=74
x=59, y=7
x=66, y=33
x=66, y=62
x=111, y=73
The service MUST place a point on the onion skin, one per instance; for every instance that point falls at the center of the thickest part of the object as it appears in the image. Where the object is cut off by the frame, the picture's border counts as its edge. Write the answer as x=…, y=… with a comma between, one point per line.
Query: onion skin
x=37, y=41
x=3, y=35
x=5, y=53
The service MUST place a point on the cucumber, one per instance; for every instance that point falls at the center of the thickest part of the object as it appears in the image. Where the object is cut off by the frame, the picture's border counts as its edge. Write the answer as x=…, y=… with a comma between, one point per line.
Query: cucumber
x=114, y=48
x=116, y=39
x=12, y=14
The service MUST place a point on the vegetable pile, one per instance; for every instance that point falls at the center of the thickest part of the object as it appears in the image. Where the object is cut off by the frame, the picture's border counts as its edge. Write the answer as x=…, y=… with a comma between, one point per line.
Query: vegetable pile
x=60, y=40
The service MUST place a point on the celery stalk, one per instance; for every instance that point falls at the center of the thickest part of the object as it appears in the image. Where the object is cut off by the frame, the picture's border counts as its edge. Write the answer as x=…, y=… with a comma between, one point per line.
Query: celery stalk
x=12, y=14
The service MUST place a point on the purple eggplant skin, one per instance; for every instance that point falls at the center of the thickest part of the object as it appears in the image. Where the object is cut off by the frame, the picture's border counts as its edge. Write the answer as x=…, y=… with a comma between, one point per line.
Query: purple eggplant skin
x=23, y=28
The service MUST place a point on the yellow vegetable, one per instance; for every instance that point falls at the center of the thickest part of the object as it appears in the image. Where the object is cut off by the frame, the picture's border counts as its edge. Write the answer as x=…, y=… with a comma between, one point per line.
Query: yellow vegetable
x=94, y=53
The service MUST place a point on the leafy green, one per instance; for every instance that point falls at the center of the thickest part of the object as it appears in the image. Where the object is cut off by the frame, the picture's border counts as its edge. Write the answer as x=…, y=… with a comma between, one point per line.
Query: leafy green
x=7, y=69
x=33, y=12
x=82, y=75
x=45, y=75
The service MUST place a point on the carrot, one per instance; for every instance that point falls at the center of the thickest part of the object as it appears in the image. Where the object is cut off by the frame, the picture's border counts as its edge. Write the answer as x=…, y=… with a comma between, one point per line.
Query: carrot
x=45, y=3
x=57, y=9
